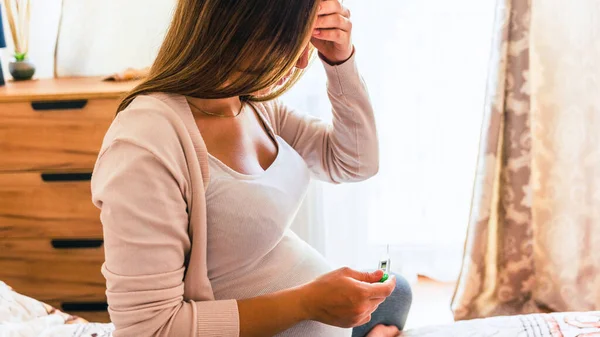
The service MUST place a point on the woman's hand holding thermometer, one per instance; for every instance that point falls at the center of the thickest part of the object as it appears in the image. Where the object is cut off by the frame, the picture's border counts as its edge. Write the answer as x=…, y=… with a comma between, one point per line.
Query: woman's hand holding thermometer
x=344, y=297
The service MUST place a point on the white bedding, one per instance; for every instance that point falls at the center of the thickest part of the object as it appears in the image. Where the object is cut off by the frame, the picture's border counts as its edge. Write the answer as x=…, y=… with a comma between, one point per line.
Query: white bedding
x=572, y=324
x=22, y=316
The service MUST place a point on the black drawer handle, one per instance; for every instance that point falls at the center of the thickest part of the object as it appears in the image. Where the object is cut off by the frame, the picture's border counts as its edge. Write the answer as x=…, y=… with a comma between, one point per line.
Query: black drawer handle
x=59, y=105
x=83, y=306
x=59, y=177
x=76, y=243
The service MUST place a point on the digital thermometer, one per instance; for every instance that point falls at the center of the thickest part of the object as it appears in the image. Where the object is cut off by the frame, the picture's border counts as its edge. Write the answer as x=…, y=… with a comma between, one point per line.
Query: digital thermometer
x=384, y=264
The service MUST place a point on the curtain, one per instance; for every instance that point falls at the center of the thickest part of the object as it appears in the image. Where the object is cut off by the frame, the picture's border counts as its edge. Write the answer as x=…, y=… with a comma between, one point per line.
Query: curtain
x=497, y=275
x=534, y=218
x=565, y=122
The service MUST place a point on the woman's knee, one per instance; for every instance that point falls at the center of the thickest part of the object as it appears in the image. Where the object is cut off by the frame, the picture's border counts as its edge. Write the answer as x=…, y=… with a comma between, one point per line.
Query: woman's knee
x=396, y=307
x=403, y=291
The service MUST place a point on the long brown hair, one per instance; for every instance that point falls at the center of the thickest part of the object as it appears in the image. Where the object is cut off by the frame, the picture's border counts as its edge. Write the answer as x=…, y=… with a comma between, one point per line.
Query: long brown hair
x=229, y=48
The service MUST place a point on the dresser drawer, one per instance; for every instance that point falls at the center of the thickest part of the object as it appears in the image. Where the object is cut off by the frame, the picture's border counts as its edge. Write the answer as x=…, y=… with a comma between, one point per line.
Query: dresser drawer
x=53, y=135
x=47, y=205
x=93, y=316
x=67, y=275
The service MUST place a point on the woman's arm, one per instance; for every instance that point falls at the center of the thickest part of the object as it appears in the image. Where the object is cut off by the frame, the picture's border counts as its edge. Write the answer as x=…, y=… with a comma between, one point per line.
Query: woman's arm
x=344, y=298
x=347, y=149
x=270, y=314
x=145, y=225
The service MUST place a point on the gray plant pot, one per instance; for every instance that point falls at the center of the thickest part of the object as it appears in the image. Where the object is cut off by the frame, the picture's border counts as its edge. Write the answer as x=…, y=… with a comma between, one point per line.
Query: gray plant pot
x=21, y=70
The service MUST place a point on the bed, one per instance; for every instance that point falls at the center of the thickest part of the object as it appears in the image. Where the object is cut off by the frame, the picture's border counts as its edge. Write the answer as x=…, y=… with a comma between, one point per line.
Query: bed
x=572, y=324
x=23, y=316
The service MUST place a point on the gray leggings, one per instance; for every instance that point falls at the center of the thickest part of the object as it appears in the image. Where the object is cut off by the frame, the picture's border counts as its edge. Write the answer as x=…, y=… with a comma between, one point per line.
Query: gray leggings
x=393, y=311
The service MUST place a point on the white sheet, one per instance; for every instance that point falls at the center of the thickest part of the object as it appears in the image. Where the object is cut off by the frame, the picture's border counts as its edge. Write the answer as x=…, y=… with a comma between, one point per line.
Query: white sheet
x=581, y=324
x=22, y=316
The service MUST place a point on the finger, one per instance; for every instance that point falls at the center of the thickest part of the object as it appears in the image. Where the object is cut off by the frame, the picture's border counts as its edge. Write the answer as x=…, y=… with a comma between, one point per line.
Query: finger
x=334, y=21
x=382, y=290
x=333, y=7
x=363, y=276
x=330, y=7
x=333, y=35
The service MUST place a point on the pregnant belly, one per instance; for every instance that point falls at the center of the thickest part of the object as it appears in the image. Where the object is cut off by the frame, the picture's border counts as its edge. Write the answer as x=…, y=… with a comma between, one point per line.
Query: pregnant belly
x=291, y=263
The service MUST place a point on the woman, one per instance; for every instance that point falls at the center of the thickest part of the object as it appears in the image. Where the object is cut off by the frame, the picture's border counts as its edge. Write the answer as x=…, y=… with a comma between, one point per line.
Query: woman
x=201, y=173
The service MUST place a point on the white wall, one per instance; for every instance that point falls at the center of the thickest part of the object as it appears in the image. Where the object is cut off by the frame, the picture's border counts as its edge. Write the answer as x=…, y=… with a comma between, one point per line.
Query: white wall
x=98, y=37
x=44, y=15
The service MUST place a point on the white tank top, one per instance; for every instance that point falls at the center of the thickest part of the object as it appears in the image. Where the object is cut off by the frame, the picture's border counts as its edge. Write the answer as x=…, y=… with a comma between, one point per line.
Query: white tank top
x=249, y=218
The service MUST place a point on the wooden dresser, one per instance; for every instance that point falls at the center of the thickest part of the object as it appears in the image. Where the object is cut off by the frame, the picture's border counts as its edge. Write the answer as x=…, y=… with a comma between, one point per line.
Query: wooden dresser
x=50, y=232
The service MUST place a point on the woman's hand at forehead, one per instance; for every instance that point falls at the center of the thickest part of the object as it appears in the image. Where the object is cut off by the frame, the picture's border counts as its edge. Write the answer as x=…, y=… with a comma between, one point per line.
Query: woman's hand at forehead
x=332, y=32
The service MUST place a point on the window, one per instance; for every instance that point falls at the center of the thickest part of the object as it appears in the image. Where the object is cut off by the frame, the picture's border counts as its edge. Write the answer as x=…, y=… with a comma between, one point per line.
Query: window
x=425, y=62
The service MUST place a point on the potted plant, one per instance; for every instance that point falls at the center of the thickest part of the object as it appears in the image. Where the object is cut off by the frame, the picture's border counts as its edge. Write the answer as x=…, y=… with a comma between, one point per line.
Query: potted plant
x=18, y=13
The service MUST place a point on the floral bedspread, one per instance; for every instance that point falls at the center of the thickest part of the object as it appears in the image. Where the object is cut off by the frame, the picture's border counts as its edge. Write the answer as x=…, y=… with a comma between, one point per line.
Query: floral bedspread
x=22, y=316
x=572, y=324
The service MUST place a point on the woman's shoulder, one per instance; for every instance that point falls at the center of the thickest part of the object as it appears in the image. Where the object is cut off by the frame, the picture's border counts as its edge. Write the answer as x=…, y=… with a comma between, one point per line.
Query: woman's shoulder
x=152, y=122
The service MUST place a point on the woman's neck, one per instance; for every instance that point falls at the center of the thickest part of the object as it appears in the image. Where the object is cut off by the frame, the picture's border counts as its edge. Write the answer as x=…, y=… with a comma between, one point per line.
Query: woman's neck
x=227, y=107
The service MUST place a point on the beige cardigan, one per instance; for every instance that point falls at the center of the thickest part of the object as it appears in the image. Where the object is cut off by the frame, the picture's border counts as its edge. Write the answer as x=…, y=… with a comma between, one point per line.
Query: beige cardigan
x=150, y=181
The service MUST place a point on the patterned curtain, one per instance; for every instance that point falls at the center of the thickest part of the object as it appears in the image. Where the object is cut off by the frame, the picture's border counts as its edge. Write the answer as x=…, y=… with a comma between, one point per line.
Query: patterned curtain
x=534, y=233
x=497, y=274
x=565, y=124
